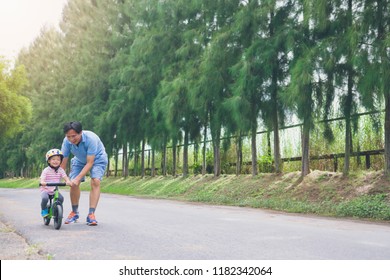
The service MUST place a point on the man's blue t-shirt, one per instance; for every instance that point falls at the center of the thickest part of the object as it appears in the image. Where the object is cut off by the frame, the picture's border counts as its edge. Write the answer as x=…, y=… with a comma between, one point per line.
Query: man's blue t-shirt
x=89, y=145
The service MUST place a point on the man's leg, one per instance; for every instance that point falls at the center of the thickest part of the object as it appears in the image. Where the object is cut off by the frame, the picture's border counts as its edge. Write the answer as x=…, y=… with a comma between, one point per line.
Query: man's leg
x=75, y=195
x=97, y=173
x=74, y=199
x=94, y=195
x=74, y=192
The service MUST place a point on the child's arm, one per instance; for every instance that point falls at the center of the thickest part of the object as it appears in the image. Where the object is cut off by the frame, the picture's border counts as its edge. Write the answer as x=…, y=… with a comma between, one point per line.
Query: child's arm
x=67, y=181
x=65, y=177
x=43, y=176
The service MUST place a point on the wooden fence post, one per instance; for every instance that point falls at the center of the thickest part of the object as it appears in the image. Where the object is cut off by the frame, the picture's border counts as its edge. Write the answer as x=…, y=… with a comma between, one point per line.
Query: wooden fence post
x=368, y=161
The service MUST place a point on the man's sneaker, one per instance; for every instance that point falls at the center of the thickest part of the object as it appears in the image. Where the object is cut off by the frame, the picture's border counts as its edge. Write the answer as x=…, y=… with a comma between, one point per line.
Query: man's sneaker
x=44, y=213
x=91, y=221
x=72, y=218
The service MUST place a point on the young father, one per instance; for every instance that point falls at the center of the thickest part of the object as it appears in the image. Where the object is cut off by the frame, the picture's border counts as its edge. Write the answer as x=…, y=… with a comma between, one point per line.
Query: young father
x=89, y=156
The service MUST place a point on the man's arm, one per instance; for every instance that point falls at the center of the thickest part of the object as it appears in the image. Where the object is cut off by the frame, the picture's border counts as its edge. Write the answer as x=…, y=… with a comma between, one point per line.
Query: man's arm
x=64, y=163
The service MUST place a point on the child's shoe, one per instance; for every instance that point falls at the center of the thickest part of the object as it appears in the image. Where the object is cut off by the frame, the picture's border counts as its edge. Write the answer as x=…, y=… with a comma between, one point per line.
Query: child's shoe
x=72, y=218
x=91, y=221
x=44, y=213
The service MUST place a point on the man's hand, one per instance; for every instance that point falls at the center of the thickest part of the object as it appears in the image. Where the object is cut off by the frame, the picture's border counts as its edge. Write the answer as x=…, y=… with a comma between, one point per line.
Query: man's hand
x=75, y=182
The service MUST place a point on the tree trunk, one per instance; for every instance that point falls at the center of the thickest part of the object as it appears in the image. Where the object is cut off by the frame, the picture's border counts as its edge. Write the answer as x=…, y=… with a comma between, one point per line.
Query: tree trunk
x=153, y=171
x=185, y=154
x=125, y=167
x=196, y=152
x=254, y=151
x=269, y=150
x=204, y=163
x=239, y=154
x=135, y=169
x=275, y=101
x=148, y=159
x=387, y=135
x=347, y=149
x=164, y=159
x=143, y=159
x=116, y=161
x=174, y=148
x=217, y=152
x=348, y=102
x=217, y=159
x=305, y=150
x=348, y=129
x=277, y=157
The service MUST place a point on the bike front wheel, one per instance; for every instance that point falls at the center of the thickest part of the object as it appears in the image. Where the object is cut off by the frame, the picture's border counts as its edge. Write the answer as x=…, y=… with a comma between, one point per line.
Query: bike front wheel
x=57, y=218
x=46, y=220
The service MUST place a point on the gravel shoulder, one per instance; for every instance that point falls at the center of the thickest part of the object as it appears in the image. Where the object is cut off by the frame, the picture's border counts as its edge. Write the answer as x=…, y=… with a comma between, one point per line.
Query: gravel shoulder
x=13, y=246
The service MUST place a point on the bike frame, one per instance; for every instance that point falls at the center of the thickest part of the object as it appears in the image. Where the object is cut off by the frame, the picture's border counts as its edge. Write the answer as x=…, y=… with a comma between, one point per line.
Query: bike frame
x=53, y=199
x=52, y=204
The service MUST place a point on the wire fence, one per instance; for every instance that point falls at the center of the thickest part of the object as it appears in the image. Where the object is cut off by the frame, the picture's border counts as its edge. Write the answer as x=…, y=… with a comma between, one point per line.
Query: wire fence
x=367, y=152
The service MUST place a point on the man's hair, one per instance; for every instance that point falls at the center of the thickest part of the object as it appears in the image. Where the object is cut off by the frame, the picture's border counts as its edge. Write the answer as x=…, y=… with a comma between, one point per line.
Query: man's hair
x=76, y=126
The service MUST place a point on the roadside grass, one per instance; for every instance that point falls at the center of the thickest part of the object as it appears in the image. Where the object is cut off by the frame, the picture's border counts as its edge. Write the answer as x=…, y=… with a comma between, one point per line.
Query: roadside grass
x=367, y=206
x=19, y=183
x=363, y=195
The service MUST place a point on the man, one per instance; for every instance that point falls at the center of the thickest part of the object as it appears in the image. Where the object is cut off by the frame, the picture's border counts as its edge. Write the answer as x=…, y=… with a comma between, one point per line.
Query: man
x=89, y=156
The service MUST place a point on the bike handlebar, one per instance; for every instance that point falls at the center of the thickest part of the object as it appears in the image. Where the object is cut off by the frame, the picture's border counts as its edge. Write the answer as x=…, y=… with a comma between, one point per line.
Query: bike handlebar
x=54, y=184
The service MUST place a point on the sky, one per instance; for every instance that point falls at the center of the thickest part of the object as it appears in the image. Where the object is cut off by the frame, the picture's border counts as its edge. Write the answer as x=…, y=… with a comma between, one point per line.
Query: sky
x=22, y=20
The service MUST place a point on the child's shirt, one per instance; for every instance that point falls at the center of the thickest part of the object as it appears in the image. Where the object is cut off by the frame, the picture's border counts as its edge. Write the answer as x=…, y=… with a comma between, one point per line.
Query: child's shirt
x=49, y=175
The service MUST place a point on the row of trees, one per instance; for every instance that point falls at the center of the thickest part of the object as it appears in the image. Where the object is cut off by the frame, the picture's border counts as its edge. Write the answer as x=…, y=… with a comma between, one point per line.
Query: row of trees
x=169, y=72
x=15, y=109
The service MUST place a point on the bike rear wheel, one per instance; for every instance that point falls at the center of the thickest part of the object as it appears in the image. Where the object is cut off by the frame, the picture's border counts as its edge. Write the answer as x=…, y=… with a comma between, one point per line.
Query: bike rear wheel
x=57, y=217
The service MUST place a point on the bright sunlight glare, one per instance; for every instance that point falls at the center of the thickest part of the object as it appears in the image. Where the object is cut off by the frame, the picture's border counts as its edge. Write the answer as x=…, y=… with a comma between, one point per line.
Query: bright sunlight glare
x=22, y=20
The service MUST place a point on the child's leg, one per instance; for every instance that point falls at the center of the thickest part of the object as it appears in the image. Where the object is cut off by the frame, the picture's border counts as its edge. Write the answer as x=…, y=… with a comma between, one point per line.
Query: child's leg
x=45, y=200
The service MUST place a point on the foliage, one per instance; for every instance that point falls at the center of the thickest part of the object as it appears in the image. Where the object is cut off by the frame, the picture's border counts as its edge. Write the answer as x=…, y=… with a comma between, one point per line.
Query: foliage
x=197, y=168
x=15, y=109
x=368, y=206
x=265, y=163
x=155, y=74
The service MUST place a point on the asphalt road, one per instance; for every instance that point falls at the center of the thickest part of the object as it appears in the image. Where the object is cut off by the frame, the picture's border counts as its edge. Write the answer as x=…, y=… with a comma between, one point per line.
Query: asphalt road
x=149, y=229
